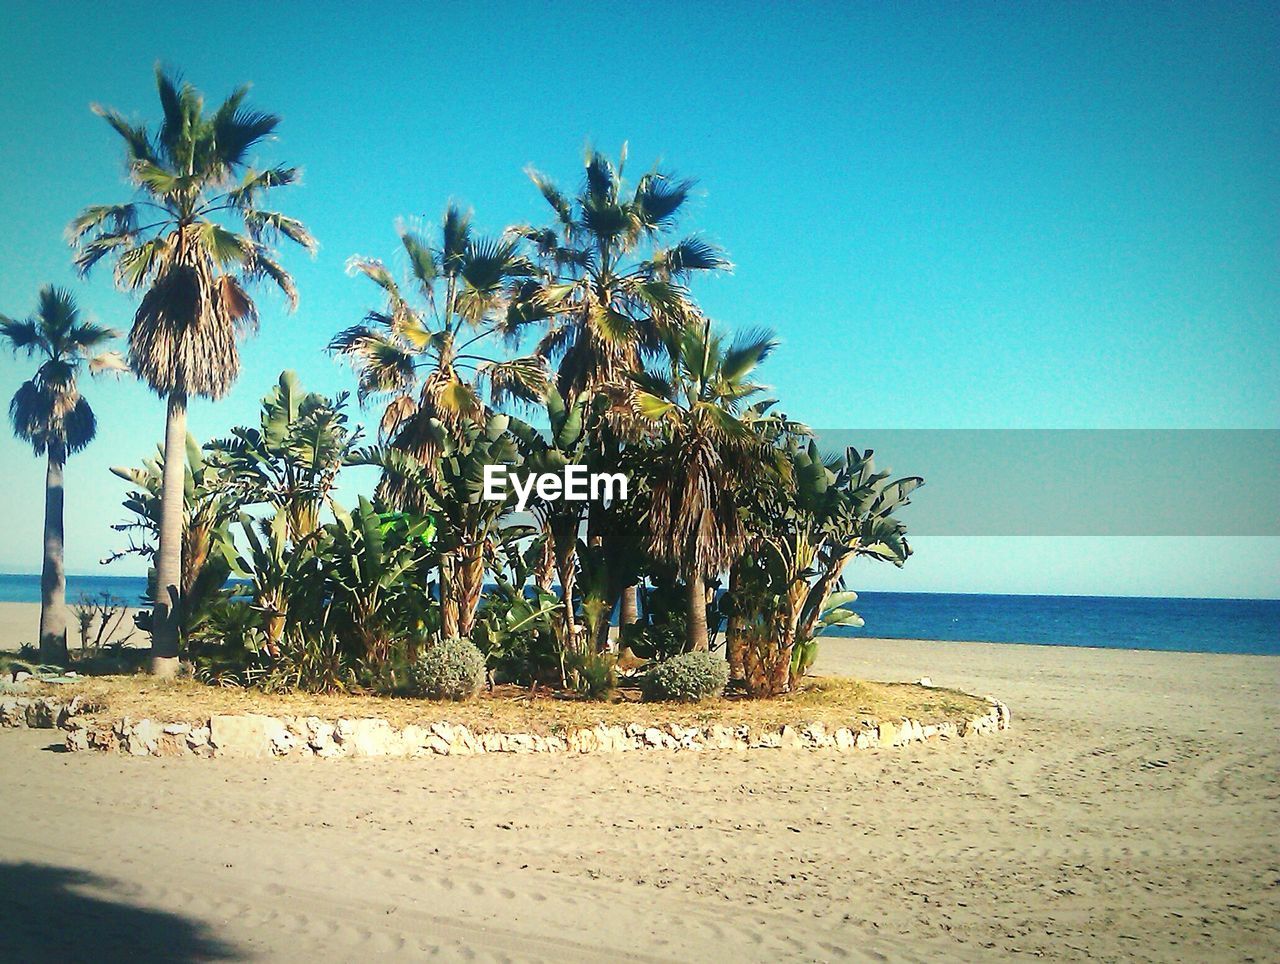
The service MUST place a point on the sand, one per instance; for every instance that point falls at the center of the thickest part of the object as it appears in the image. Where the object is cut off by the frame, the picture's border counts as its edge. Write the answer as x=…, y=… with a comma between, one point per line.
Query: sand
x=1131, y=813
x=20, y=623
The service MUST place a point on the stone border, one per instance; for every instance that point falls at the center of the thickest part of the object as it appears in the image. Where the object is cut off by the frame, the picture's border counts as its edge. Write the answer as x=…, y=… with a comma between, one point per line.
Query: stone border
x=254, y=735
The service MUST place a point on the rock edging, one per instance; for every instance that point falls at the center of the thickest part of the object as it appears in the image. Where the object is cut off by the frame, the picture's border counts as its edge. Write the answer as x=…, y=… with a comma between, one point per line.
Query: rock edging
x=42, y=712
x=252, y=735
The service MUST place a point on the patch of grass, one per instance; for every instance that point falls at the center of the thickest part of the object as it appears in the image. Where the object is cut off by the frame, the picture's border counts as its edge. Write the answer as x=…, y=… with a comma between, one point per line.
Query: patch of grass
x=834, y=701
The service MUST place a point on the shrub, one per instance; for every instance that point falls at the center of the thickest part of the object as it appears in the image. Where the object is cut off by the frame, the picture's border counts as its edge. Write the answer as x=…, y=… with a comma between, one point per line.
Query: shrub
x=688, y=678
x=593, y=675
x=452, y=669
x=657, y=641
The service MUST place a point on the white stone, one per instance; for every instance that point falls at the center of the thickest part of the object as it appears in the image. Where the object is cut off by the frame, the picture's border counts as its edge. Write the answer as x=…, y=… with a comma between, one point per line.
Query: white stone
x=140, y=738
x=815, y=734
x=369, y=737
x=240, y=735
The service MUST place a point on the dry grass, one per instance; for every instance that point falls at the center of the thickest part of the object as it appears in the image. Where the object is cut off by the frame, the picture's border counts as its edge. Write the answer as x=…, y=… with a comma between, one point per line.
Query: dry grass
x=829, y=700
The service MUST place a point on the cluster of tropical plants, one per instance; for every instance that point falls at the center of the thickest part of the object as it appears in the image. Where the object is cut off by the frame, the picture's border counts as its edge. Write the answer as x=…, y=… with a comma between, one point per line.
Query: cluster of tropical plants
x=576, y=344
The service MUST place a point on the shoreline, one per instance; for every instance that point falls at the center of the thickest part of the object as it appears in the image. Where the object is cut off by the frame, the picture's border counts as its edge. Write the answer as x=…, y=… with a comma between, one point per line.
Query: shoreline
x=19, y=623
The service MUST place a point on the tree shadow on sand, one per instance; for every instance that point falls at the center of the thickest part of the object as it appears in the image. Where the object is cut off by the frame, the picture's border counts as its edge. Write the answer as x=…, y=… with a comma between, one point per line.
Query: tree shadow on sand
x=48, y=913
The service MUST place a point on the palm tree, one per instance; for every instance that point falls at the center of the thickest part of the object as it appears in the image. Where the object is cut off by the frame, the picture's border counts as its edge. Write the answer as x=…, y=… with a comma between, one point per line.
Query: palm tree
x=711, y=444
x=611, y=287
x=194, y=237
x=429, y=359
x=49, y=412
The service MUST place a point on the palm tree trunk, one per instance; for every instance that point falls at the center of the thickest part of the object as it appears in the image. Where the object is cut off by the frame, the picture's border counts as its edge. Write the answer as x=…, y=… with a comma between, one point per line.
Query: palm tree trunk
x=734, y=641
x=567, y=573
x=629, y=610
x=697, y=587
x=469, y=581
x=53, y=580
x=165, y=617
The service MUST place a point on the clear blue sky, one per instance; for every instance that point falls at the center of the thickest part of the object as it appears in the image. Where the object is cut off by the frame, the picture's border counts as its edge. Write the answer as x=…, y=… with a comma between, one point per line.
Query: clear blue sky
x=1040, y=215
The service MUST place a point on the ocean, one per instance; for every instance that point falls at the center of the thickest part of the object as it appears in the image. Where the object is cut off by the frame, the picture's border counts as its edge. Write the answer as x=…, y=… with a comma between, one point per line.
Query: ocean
x=1111, y=622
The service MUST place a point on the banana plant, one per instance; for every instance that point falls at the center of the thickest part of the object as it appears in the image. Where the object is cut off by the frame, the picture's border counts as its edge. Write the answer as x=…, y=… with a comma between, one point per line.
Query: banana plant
x=452, y=489
x=804, y=532
x=368, y=575
x=291, y=461
x=209, y=510
x=282, y=577
x=560, y=520
x=835, y=612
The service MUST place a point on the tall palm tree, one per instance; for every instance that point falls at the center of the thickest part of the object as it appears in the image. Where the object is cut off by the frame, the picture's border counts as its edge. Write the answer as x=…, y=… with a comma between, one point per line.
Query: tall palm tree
x=48, y=411
x=613, y=284
x=711, y=443
x=429, y=359
x=193, y=238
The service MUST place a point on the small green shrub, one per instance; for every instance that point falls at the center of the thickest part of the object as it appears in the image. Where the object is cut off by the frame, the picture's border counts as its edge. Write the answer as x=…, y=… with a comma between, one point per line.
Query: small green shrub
x=688, y=678
x=593, y=675
x=452, y=669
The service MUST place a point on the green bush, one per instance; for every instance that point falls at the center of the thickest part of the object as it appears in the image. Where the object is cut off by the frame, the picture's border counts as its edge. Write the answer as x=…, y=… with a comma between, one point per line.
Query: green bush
x=656, y=641
x=689, y=677
x=452, y=669
x=593, y=675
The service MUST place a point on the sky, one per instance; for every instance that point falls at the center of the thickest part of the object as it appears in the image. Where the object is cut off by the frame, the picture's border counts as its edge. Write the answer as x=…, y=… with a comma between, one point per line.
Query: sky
x=954, y=216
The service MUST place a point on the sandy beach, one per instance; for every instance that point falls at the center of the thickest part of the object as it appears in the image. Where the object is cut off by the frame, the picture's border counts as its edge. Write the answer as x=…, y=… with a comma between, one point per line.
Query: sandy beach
x=1131, y=813
x=20, y=623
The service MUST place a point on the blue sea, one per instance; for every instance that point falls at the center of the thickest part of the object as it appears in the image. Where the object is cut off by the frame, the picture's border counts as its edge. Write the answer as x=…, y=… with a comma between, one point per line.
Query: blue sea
x=1112, y=622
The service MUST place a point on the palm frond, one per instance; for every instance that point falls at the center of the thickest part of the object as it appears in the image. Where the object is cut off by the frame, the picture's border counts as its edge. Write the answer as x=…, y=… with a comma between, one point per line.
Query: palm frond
x=29, y=411
x=157, y=179
x=86, y=336
x=136, y=264
x=422, y=262
x=136, y=138
x=262, y=265
x=108, y=361
x=101, y=246
x=271, y=225
x=601, y=180
x=748, y=350
x=111, y=218
x=456, y=233
x=553, y=195
x=689, y=255
x=227, y=248
x=523, y=379
x=658, y=199
x=235, y=131
x=22, y=335
x=383, y=366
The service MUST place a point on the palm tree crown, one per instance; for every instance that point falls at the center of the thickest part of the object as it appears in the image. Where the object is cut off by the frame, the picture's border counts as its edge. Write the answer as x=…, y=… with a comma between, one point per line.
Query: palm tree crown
x=428, y=358
x=195, y=234
x=464, y=285
x=48, y=410
x=609, y=286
